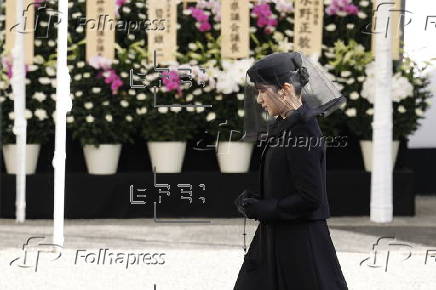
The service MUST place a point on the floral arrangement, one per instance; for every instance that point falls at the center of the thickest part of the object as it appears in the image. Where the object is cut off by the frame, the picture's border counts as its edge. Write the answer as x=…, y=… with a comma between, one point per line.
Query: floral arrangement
x=175, y=86
x=40, y=104
x=410, y=96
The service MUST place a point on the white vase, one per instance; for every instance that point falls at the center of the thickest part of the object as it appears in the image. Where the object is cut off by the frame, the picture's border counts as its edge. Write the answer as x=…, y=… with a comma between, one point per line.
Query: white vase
x=366, y=147
x=167, y=156
x=234, y=157
x=9, y=155
x=102, y=160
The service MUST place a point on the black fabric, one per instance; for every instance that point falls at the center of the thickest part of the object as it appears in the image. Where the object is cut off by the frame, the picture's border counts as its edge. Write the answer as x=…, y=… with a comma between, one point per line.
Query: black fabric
x=292, y=255
x=292, y=248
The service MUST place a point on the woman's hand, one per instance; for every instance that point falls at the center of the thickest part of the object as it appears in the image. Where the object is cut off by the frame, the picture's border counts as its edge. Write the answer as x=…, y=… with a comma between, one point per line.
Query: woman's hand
x=262, y=210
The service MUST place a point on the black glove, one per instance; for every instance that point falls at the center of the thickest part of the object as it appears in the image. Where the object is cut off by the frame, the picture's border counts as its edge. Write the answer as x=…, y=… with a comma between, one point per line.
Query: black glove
x=262, y=210
x=245, y=194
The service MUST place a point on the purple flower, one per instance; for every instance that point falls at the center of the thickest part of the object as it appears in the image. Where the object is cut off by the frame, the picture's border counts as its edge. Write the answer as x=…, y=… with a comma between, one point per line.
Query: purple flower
x=205, y=26
x=113, y=79
x=199, y=15
x=171, y=80
x=345, y=6
x=262, y=10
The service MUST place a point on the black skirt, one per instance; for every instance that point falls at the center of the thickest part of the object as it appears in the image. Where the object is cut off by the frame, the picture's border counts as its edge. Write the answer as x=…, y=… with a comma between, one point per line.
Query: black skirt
x=289, y=255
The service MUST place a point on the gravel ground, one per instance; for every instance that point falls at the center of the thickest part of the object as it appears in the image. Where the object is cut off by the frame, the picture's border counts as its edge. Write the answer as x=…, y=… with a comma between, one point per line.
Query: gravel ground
x=176, y=256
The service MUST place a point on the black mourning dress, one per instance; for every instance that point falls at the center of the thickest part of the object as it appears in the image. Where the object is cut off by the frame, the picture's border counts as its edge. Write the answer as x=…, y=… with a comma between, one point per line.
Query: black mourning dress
x=295, y=251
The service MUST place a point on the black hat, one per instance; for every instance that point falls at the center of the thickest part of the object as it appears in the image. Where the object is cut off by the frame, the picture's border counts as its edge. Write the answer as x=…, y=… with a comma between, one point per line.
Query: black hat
x=275, y=68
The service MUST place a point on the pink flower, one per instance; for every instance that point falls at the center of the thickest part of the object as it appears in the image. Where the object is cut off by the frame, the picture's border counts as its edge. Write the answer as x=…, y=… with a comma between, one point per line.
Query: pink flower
x=272, y=22
x=199, y=15
x=342, y=6
x=205, y=26
x=262, y=21
x=171, y=80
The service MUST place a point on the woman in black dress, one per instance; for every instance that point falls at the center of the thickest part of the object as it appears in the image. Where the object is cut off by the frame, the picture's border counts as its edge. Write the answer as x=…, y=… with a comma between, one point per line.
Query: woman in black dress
x=292, y=247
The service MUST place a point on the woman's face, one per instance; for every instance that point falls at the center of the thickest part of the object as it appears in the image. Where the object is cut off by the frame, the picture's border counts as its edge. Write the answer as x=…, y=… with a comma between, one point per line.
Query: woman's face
x=268, y=97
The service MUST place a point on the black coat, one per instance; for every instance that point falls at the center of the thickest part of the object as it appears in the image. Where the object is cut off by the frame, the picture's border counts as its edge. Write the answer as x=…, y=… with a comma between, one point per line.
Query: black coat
x=293, y=249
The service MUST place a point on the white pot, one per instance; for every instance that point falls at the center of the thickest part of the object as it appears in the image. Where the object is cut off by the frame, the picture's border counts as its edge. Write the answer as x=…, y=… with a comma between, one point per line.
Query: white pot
x=234, y=157
x=102, y=160
x=167, y=156
x=366, y=147
x=9, y=155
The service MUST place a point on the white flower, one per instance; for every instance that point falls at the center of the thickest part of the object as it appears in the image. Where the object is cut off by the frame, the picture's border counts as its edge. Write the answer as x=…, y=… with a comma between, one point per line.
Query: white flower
x=401, y=109
x=86, y=75
x=89, y=119
x=175, y=109
x=70, y=119
x=362, y=15
x=108, y=118
x=129, y=118
x=419, y=112
x=78, y=77
x=350, y=81
x=331, y=27
x=241, y=113
x=44, y=80
x=96, y=90
x=163, y=110
x=370, y=111
x=218, y=97
x=79, y=93
x=210, y=116
x=190, y=109
x=39, y=96
x=189, y=97
x=11, y=115
x=50, y=71
x=197, y=91
x=141, y=111
x=351, y=112
x=51, y=43
x=41, y=114
x=345, y=74
x=354, y=95
x=141, y=97
x=364, y=3
x=88, y=105
x=132, y=92
x=361, y=78
x=124, y=74
x=80, y=64
x=124, y=103
x=192, y=46
x=2, y=99
x=350, y=26
x=126, y=9
x=199, y=109
x=105, y=103
x=28, y=114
